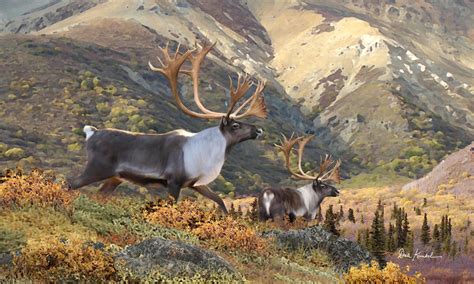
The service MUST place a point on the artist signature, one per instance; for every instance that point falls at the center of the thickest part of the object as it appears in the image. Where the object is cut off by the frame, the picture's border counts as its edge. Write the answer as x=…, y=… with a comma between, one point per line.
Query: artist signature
x=418, y=254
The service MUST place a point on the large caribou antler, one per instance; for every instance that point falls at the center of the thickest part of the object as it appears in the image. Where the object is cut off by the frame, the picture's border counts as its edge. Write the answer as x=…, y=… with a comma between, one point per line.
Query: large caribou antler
x=328, y=169
x=172, y=67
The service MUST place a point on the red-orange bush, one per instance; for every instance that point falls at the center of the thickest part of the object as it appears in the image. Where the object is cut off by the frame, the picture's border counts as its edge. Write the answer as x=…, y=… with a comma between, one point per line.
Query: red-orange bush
x=186, y=215
x=35, y=188
x=208, y=225
x=229, y=233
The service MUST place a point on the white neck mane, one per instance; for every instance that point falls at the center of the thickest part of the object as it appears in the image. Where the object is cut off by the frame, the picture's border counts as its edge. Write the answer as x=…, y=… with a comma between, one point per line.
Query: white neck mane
x=204, y=155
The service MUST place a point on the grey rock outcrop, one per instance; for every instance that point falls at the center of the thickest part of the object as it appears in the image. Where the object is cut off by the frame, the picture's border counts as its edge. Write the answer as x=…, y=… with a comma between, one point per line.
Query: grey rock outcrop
x=344, y=253
x=173, y=259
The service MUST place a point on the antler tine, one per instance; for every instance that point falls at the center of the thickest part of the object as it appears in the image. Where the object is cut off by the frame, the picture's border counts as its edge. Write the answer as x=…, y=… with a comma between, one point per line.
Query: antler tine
x=286, y=147
x=171, y=68
x=257, y=104
x=302, y=143
x=333, y=174
x=243, y=85
x=196, y=61
x=324, y=165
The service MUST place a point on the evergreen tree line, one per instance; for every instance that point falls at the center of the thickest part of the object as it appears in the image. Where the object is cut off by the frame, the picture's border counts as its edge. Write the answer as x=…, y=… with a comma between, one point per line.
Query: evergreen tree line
x=398, y=235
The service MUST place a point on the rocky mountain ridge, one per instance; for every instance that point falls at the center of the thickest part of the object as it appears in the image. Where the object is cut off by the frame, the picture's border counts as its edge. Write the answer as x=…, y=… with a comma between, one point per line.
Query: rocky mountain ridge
x=386, y=85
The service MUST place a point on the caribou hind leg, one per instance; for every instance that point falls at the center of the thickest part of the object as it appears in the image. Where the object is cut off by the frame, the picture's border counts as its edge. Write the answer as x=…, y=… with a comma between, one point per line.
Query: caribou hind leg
x=94, y=172
x=109, y=186
x=207, y=192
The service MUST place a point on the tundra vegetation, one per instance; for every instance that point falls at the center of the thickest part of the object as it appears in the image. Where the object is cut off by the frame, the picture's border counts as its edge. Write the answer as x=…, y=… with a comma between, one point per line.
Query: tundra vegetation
x=44, y=106
x=56, y=234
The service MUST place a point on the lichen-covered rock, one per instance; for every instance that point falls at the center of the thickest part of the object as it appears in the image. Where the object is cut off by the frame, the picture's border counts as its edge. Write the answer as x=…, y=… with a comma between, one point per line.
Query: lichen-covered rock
x=173, y=259
x=343, y=253
x=6, y=259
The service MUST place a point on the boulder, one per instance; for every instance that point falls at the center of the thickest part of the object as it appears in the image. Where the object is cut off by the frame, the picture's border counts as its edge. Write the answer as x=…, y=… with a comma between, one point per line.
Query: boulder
x=344, y=253
x=158, y=256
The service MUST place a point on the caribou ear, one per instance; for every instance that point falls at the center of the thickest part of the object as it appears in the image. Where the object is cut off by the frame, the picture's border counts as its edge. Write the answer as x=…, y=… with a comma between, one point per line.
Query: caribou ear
x=316, y=183
x=224, y=122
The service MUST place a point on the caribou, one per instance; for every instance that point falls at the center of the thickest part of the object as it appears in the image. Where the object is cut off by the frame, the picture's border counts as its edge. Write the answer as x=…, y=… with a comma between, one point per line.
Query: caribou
x=303, y=201
x=178, y=158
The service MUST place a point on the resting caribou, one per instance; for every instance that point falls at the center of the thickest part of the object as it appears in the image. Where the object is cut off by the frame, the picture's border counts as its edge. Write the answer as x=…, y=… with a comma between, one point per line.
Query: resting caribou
x=306, y=200
x=178, y=158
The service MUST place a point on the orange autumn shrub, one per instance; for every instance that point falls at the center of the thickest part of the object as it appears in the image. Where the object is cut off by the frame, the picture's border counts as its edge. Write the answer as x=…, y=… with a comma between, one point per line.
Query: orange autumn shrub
x=35, y=188
x=229, y=234
x=220, y=232
x=392, y=273
x=186, y=215
x=63, y=260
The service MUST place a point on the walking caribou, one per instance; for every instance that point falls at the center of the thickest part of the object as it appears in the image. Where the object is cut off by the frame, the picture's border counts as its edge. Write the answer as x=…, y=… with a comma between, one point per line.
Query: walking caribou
x=306, y=200
x=178, y=158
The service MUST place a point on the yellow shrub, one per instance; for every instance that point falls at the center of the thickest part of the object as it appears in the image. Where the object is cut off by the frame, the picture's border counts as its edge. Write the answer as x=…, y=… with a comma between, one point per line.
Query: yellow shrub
x=68, y=260
x=392, y=273
x=35, y=188
x=14, y=153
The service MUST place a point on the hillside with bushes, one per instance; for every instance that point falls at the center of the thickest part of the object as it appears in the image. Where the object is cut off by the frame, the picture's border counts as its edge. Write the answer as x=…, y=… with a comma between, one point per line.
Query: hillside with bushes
x=82, y=237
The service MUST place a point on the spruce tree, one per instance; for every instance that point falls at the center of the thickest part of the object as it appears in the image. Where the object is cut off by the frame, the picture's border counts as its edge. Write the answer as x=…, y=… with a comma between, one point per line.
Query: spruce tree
x=253, y=214
x=330, y=221
x=340, y=216
x=394, y=214
x=377, y=241
x=410, y=242
x=362, y=219
x=447, y=246
x=454, y=250
x=232, y=211
x=443, y=229
x=380, y=208
x=399, y=228
x=466, y=245
x=425, y=231
x=350, y=215
x=449, y=227
x=418, y=211
x=436, y=240
x=406, y=228
x=436, y=235
x=391, y=245
x=425, y=202
x=240, y=213
x=366, y=238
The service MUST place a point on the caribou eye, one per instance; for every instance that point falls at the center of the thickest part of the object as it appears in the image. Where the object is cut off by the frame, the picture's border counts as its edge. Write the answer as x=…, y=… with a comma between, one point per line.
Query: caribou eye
x=236, y=126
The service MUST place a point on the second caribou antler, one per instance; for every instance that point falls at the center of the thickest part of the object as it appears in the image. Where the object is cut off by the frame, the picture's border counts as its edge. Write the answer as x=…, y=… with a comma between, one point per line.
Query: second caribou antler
x=328, y=169
x=172, y=67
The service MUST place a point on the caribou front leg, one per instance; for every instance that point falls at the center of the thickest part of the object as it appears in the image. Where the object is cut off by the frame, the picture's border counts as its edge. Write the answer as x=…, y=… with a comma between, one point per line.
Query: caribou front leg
x=174, y=188
x=207, y=192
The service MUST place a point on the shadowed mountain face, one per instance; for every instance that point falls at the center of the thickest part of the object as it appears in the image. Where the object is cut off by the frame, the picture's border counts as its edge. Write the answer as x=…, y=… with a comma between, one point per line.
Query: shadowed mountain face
x=386, y=85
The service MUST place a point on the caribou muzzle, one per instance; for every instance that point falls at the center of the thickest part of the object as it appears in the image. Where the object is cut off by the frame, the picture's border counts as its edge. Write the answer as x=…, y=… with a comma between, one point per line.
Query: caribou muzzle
x=258, y=133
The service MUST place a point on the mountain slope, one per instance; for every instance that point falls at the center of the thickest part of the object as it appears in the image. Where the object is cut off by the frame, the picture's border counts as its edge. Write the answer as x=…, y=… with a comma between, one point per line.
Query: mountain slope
x=369, y=84
x=374, y=91
x=454, y=174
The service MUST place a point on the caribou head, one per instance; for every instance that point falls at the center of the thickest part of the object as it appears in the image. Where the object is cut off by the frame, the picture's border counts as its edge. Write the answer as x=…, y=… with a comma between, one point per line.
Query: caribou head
x=233, y=130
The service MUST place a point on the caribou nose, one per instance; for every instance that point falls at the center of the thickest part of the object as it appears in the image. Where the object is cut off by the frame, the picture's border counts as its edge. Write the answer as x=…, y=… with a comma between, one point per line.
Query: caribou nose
x=259, y=132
